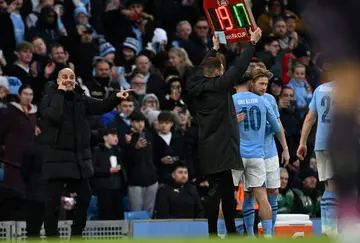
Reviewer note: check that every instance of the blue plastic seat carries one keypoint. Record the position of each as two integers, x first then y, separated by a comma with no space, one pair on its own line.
137,215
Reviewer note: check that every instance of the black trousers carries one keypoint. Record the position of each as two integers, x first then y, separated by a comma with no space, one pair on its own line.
34,217
54,190
221,187
110,204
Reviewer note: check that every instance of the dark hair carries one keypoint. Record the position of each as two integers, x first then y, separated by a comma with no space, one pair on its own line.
201,18
109,130
56,45
211,64
137,116
277,19
24,86
270,39
165,116
178,165
128,99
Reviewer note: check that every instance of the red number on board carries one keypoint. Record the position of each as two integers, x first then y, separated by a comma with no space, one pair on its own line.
224,18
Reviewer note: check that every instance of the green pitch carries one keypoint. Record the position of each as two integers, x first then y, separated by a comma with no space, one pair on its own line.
202,240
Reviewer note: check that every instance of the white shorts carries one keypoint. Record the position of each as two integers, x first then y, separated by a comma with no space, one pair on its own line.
272,172
254,173
324,165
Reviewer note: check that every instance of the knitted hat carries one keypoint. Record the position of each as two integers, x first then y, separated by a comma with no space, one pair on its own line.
153,96
132,43
80,10
105,48
4,82
14,85
160,36
151,116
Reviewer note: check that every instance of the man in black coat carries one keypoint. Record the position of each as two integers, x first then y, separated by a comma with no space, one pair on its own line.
219,141
65,146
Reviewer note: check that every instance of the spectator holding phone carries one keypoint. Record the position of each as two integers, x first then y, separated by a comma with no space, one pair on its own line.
142,176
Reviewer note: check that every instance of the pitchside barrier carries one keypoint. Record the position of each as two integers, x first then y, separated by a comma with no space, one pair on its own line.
16,231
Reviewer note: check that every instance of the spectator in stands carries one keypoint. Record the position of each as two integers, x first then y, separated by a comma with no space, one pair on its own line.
178,199
302,90
154,83
200,41
126,59
7,45
179,58
17,130
31,173
280,31
17,20
307,197
174,97
66,152
168,146
46,26
286,195
109,180
21,68
275,87
276,8
138,83
121,121
101,86
142,175
269,56
152,118
40,55
183,32
151,101
58,57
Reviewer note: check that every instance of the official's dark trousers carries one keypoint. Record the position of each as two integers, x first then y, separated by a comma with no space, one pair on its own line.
34,217
110,204
221,187
54,190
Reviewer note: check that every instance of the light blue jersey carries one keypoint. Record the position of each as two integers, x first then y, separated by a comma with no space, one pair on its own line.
322,103
252,130
270,146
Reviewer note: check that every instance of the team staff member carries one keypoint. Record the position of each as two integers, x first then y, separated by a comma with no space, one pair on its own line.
65,146
219,141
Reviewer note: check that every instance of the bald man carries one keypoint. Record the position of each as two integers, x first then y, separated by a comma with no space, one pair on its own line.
65,146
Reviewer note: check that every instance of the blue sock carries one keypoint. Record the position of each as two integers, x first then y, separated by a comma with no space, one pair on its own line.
221,228
249,215
323,210
274,207
331,211
267,226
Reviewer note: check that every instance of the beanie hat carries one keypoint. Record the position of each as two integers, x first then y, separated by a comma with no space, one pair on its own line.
14,85
160,36
151,116
132,43
105,48
80,10
302,50
153,96
4,82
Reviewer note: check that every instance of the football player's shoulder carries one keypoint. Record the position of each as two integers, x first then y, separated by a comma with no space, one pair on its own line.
270,98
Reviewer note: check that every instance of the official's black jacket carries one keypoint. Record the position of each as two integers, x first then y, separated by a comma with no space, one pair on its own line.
102,176
219,140
178,202
66,132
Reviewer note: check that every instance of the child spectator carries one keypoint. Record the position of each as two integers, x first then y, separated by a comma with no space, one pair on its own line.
302,89
143,181
109,180
168,146
126,59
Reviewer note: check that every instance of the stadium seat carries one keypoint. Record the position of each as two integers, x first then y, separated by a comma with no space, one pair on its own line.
126,204
137,215
1,174
93,211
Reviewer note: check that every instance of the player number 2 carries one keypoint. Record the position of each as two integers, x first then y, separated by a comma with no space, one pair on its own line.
326,102
224,18
252,118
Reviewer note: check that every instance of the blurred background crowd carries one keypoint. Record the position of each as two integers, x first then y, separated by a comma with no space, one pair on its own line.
144,152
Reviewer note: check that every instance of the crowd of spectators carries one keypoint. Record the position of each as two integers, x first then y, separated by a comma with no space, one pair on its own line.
145,149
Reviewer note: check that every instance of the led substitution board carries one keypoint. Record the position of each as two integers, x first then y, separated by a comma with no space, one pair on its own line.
230,19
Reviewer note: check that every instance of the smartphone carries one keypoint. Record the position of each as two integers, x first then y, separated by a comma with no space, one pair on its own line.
292,103
142,135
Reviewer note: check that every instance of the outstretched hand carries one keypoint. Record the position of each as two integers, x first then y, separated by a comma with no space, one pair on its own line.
124,94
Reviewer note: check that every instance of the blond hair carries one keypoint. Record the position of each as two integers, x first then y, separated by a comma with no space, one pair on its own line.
185,60
257,73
